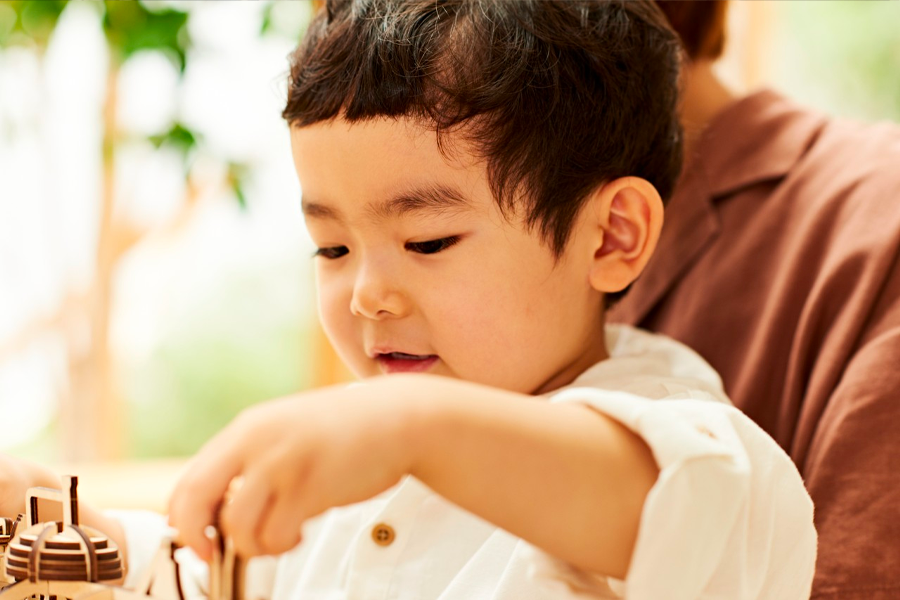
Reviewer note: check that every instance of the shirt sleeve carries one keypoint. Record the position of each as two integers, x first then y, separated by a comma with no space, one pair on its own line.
851,471
144,532
728,516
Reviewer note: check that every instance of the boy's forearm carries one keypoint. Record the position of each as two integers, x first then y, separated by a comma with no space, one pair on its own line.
563,477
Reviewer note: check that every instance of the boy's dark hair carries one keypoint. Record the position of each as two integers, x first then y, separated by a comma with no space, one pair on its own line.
557,96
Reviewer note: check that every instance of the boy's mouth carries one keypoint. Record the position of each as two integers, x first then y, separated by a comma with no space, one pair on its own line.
400,362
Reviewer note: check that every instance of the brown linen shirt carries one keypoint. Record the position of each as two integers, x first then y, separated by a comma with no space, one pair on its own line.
780,263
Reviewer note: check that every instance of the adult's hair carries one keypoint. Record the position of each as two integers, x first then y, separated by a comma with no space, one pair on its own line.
557,96
700,24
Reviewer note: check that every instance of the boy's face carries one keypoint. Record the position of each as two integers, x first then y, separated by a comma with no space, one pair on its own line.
417,270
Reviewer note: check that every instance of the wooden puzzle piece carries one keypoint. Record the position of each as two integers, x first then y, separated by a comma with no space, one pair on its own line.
63,560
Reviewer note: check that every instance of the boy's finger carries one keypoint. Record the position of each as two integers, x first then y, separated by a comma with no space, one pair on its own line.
279,529
197,497
243,515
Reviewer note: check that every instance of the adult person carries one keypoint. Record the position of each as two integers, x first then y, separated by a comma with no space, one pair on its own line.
780,264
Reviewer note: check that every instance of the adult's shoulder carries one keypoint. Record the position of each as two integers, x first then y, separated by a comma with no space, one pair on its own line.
766,136
859,156
778,201
848,179
805,165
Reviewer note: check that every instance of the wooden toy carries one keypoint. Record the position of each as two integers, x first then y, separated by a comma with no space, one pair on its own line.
63,560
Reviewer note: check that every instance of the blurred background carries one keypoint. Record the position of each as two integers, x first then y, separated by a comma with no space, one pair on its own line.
155,274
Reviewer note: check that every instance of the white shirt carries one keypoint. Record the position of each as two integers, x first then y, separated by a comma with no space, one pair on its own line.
727,518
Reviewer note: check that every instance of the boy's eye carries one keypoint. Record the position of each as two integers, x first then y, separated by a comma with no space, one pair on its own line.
432,246
332,253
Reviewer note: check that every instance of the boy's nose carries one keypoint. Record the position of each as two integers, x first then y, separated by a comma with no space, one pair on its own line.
376,297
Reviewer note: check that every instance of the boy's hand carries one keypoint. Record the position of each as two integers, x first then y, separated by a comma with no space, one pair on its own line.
16,477
584,475
294,458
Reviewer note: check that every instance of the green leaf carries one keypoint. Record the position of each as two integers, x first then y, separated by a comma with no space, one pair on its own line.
267,18
239,194
179,138
35,19
130,27
237,176
8,19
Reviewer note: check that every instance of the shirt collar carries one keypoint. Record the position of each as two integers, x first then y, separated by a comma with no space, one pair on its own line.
757,138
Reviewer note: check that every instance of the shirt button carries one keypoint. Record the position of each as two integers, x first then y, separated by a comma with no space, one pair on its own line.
383,534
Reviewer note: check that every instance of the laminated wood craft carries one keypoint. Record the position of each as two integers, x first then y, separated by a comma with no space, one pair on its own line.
64,560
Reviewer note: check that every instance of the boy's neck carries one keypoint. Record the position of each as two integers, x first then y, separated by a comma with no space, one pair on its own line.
594,354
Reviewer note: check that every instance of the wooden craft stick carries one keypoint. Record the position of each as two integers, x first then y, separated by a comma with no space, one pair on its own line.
68,501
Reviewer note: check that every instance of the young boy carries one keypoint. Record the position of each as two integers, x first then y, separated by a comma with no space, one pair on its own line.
481,177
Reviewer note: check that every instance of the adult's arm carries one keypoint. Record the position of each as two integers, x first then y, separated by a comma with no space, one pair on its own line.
852,469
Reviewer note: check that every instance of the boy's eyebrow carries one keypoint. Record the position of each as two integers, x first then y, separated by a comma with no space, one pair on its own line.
430,198
319,211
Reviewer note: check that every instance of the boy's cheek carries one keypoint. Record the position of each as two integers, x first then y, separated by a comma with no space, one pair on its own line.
332,298
337,324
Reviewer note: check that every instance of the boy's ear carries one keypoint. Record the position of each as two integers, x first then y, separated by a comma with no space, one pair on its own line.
629,214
